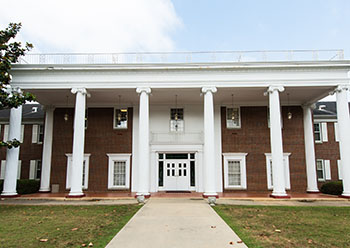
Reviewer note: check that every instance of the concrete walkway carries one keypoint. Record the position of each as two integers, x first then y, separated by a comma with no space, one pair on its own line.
176,223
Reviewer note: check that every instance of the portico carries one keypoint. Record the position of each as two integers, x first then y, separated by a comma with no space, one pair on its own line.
204,95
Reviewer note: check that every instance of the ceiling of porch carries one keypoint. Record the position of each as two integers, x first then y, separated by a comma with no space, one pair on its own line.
242,96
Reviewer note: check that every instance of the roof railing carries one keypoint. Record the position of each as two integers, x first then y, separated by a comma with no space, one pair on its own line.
183,57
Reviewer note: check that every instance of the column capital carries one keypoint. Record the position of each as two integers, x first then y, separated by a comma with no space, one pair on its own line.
147,90
212,89
312,106
80,90
342,87
273,88
49,107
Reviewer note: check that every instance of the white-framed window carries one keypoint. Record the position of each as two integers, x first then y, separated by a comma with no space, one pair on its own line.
336,132
268,117
38,133
118,171
323,170
340,172
233,117
35,169
85,172
320,132
120,120
3,169
235,175
269,170
6,133
177,123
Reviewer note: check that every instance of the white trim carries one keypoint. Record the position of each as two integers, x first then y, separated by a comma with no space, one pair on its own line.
241,157
286,170
327,169
19,169
6,132
340,172
324,130
2,169
35,133
22,134
69,169
32,167
122,157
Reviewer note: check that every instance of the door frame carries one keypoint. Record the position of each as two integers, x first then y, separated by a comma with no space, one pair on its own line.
197,149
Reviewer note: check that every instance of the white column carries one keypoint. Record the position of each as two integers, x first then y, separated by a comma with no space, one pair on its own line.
12,155
279,187
310,150
344,135
47,150
143,158
78,143
209,141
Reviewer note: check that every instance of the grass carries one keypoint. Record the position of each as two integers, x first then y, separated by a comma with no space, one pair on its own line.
62,226
272,226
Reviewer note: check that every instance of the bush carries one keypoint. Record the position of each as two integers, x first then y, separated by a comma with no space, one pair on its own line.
25,186
332,188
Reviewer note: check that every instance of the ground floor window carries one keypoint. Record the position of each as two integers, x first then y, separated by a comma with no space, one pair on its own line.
118,171
269,170
323,169
85,172
235,170
35,169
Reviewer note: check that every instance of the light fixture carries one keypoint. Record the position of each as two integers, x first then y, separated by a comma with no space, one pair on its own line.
119,116
176,114
289,115
66,114
232,113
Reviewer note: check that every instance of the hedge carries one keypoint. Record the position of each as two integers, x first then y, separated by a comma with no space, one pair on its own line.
25,186
332,188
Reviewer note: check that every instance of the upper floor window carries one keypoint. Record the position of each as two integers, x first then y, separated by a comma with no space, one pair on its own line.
233,118
317,132
121,118
177,120
320,132
37,133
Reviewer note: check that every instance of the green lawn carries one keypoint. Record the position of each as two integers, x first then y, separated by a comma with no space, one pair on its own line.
270,226
62,226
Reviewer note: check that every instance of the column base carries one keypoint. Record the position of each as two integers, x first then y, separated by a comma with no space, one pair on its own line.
280,196
9,195
146,195
76,196
206,195
44,190
345,196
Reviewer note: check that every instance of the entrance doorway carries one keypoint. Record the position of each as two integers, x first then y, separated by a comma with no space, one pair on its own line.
176,171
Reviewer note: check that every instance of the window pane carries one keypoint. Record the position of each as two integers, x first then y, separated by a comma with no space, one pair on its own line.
176,156
41,133
119,173
38,169
192,156
161,174
192,174
121,118
234,173
160,155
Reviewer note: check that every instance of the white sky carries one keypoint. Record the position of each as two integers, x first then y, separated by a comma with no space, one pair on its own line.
93,26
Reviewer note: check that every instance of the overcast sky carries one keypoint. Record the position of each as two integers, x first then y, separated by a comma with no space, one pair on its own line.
179,25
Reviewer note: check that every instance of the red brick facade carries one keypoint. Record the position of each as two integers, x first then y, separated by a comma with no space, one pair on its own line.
100,139
28,151
254,138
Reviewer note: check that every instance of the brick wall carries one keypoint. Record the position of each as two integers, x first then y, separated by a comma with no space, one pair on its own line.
100,139
329,151
28,151
254,138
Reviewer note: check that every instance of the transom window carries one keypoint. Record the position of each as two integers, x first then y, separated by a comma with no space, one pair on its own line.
235,170
121,118
233,118
118,171
177,120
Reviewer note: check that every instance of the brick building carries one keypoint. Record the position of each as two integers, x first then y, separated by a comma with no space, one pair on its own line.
205,127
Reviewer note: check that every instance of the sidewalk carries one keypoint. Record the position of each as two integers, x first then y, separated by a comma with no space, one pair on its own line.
176,223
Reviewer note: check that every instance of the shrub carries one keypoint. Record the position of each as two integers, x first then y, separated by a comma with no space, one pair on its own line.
25,186
332,188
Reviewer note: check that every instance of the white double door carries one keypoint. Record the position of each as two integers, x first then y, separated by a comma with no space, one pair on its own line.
177,175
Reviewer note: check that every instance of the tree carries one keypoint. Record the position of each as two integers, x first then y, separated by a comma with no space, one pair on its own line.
10,52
